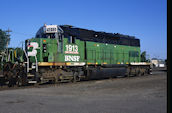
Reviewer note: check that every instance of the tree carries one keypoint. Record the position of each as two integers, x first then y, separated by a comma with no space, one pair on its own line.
4,39
143,56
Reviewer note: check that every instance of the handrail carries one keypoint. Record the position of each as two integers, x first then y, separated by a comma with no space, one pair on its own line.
27,60
36,63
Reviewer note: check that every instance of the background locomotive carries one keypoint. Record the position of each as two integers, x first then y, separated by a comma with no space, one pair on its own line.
66,53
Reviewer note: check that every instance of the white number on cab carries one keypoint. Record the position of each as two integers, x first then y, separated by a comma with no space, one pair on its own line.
71,49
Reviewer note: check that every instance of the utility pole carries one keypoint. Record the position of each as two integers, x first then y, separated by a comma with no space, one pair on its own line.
8,38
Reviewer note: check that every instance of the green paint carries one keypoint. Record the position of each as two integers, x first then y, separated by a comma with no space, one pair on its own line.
96,52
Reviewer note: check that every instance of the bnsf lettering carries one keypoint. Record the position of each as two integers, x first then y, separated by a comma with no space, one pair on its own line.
72,58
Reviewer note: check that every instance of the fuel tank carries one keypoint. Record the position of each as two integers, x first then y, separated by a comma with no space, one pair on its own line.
107,71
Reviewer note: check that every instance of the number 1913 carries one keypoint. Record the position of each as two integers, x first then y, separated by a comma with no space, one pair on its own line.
71,49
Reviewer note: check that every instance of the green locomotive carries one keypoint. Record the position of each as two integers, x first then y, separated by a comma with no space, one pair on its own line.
67,53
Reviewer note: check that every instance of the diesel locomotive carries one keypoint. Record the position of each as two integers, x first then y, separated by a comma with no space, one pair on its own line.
66,53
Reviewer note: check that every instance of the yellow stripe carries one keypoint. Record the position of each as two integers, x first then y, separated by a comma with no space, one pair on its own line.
50,64
90,63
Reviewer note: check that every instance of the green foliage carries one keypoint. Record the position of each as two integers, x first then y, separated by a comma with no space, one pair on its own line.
143,56
19,52
3,40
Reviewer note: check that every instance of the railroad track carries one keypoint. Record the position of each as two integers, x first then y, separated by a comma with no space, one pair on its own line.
5,87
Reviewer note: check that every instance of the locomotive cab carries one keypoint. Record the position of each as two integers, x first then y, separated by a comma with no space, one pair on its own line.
51,32
41,49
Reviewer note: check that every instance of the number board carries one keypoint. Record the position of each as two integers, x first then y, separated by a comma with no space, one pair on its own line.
50,29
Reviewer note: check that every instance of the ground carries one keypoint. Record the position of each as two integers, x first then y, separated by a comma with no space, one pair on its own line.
145,94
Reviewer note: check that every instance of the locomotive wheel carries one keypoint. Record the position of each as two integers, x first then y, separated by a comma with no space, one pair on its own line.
56,80
76,77
139,73
143,72
21,81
